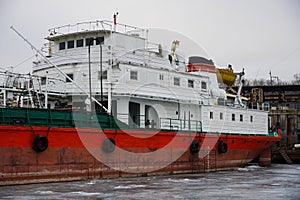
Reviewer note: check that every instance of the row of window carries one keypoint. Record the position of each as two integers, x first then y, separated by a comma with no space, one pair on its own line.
134,76
104,76
80,43
233,117
190,83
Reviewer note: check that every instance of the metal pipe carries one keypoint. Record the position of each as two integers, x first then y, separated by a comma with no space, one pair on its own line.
101,84
90,74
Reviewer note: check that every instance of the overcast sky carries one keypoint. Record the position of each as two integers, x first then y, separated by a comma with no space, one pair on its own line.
258,35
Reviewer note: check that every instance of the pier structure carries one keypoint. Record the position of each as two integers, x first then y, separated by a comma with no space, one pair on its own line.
284,106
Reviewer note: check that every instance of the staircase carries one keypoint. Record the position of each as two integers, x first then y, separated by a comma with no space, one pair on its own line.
285,156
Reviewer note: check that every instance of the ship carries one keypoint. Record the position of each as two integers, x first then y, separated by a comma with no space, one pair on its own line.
104,102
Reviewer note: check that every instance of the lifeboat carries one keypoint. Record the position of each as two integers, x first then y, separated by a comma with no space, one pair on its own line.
226,76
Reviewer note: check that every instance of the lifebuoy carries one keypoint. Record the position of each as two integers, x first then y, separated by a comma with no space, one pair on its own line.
195,146
223,147
40,143
109,145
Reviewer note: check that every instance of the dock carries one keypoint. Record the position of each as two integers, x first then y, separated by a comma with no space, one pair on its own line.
284,107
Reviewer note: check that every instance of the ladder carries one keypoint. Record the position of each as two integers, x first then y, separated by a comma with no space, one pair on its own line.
33,94
210,161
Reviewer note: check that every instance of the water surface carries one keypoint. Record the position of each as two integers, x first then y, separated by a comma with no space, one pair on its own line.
252,182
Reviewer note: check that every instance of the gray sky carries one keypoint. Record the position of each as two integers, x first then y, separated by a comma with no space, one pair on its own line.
258,35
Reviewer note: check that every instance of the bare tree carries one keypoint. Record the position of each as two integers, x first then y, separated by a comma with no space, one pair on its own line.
297,79
267,82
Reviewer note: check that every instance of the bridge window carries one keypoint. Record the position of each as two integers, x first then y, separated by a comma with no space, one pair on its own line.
62,45
70,44
89,41
241,118
233,117
79,43
99,40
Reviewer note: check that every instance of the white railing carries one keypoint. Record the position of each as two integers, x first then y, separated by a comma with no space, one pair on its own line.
139,121
257,106
180,124
10,80
103,25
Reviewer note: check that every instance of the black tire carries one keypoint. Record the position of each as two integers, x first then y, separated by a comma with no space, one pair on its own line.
195,146
40,143
223,147
109,145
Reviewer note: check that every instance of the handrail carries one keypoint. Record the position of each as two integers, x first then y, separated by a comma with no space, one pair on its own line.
93,26
26,81
164,123
180,124
257,106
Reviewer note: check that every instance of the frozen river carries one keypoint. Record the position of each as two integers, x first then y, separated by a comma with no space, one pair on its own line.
252,182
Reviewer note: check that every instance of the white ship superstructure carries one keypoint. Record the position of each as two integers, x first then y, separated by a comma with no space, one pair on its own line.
140,83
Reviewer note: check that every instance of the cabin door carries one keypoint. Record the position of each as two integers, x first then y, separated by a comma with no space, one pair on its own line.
134,114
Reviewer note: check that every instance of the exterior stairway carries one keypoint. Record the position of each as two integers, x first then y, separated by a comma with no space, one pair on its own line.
285,156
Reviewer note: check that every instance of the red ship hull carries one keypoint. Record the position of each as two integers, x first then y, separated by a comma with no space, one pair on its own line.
68,158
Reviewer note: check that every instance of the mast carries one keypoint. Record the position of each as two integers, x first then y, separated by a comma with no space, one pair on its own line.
109,72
